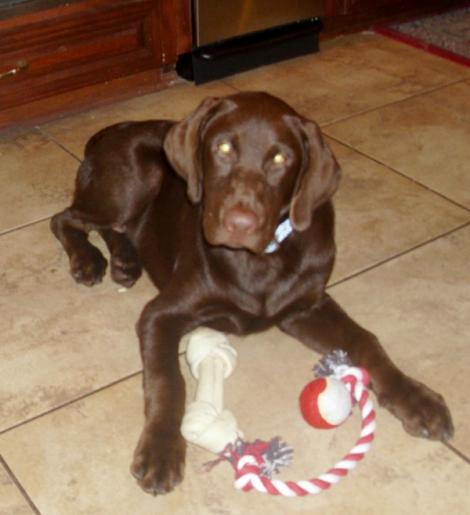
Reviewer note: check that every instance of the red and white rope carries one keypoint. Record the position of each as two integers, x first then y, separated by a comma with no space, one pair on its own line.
248,466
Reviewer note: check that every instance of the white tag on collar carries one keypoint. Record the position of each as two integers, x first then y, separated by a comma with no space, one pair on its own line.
284,229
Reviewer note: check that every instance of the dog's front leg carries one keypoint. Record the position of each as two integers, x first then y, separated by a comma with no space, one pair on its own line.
159,457
326,327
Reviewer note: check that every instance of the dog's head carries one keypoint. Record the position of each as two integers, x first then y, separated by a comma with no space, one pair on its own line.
251,159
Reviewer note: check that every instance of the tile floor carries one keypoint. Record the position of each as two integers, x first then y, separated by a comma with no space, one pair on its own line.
70,385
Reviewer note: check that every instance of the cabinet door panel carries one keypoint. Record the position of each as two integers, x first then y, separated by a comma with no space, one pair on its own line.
69,50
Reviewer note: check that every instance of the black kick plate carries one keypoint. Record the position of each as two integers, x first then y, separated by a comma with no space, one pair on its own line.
243,53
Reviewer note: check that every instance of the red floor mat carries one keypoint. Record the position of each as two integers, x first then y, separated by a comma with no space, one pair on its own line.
446,34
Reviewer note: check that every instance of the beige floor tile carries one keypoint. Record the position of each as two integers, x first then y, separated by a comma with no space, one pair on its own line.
75,460
172,103
425,137
59,340
37,177
351,75
12,501
380,213
419,306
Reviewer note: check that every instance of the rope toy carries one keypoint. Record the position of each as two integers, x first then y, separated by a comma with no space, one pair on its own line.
207,424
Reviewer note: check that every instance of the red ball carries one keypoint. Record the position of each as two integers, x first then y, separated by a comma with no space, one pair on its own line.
325,403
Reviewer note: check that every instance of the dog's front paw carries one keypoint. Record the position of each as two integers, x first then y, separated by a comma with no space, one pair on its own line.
125,267
88,267
158,462
422,412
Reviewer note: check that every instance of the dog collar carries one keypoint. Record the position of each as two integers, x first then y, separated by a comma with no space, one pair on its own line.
284,229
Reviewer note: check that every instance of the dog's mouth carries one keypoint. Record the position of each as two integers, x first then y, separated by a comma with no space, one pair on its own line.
236,242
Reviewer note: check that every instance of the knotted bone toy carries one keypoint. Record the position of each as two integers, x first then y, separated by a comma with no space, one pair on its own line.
211,359
206,423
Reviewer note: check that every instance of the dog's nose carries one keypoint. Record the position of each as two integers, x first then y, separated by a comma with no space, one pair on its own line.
241,220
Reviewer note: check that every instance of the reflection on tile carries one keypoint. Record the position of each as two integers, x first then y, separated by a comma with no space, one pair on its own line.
37,177
379,213
349,77
419,306
425,138
76,459
11,500
173,103
59,340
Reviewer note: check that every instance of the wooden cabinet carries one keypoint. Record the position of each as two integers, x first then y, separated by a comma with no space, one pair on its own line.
353,15
58,56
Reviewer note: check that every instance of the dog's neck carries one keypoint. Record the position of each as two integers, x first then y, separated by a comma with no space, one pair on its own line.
284,229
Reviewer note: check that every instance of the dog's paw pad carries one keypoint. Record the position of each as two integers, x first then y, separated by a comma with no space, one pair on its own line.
158,463
88,268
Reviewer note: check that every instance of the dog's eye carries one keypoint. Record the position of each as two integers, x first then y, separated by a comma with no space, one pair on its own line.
225,148
279,159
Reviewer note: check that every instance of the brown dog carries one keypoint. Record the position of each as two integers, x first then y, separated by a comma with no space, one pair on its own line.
197,204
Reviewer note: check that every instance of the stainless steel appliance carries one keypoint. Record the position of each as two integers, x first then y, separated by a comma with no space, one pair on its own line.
235,35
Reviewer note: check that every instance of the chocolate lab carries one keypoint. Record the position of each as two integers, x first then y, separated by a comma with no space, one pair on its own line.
229,212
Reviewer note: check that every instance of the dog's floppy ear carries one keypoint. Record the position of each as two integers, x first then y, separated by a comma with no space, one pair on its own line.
319,177
182,147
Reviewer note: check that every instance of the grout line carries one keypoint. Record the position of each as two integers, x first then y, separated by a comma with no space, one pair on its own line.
394,102
57,142
399,255
70,402
76,399
25,225
458,453
225,81
371,109
19,485
398,172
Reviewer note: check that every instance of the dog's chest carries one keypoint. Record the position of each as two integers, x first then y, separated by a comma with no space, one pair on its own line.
261,286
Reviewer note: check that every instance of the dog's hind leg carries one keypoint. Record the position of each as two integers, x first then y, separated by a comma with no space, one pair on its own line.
122,172
125,263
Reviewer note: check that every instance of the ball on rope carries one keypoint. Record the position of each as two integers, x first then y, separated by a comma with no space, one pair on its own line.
325,403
